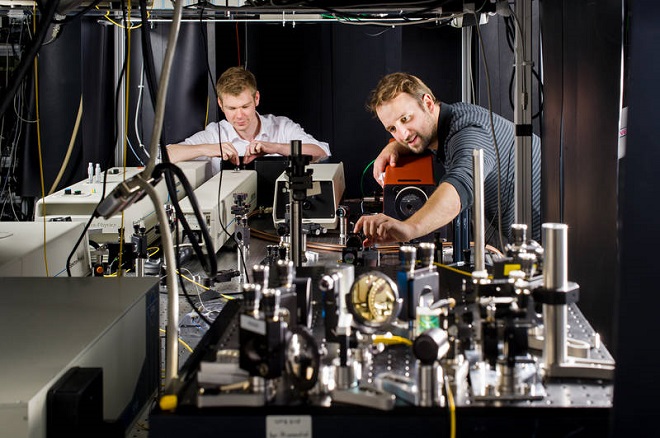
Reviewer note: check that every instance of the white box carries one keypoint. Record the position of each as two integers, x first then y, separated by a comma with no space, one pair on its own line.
323,198
197,172
22,249
217,208
49,325
80,200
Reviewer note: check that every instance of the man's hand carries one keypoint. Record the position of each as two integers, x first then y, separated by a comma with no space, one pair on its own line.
387,157
257,149
380,228
229,153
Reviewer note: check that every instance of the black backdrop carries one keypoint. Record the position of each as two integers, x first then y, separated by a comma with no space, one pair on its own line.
319,75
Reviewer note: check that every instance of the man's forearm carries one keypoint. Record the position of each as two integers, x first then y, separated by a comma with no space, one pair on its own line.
307,149
440,209
185,152
315,151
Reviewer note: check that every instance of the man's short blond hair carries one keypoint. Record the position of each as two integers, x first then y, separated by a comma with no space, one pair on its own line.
394,84
234,81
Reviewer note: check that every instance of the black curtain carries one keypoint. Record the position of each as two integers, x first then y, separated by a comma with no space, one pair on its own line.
582,43
636,384
79,62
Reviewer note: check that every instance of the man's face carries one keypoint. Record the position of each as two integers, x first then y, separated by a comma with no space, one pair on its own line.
411,124
241,110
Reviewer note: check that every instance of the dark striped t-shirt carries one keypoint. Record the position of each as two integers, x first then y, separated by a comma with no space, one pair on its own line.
463,127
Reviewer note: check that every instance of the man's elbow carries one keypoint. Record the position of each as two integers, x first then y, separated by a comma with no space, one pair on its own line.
317,153
172,153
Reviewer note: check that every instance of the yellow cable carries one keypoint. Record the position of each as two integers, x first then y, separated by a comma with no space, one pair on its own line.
449,268
206,116
153,253
115,274
181,341
41,161
452,409
107,17
126,111
391,340
193,281
227,297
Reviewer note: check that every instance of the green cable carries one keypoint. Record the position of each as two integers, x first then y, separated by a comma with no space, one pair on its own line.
362,178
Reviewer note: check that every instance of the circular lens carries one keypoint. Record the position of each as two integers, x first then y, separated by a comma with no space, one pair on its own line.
374,300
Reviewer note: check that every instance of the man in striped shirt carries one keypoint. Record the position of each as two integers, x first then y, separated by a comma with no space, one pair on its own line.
418,123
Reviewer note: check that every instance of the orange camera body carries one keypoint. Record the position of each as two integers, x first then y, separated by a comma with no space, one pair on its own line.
408,185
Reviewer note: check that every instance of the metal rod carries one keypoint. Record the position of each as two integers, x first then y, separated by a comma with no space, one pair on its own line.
120,54
523,113
466,64
139,267
479,233
555,347
555,244
296,214
555,277
296,233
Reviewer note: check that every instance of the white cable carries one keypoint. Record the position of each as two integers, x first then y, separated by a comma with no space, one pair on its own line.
197,289
130,145
72,142
137,112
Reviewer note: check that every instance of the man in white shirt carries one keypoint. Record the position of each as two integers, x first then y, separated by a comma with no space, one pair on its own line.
244,132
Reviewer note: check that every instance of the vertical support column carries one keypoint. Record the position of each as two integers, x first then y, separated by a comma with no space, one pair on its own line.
120,54
296,213
466,64
478,205
523,113
555,278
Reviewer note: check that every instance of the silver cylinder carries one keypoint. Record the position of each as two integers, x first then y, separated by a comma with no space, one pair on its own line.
342,214
478,207
429,383
346,376
242,255
426,252
555,243
296,232
407,258
555,349
139,267
507,379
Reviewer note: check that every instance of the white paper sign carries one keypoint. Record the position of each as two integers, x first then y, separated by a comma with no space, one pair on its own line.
288,426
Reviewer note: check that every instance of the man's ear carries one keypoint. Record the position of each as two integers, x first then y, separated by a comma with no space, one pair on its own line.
220,104
428,101
256,98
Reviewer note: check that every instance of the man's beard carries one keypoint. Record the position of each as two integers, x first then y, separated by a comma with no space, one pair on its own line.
421,144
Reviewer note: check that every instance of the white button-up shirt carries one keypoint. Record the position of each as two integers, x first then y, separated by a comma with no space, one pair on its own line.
274,129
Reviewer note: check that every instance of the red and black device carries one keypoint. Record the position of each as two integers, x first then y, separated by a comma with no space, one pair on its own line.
408,185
